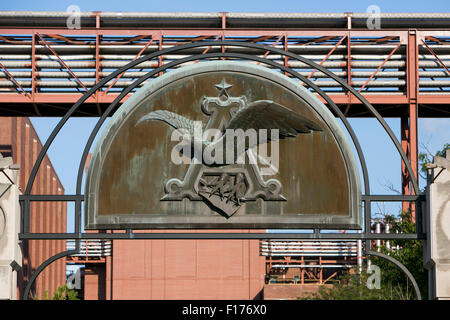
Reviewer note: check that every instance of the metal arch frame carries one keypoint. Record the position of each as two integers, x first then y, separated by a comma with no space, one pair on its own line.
45,264
400,266
217,55
78,197
212,44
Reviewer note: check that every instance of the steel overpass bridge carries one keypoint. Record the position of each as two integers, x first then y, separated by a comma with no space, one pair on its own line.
402,69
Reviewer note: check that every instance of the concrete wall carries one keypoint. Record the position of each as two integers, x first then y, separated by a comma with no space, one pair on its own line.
10,252
437,253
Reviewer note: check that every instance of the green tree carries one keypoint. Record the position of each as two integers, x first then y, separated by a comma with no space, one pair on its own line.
352,285
409,253
61,293
394,285
427,157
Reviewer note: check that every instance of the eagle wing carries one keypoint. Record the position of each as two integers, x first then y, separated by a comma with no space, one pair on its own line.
266,114
172,119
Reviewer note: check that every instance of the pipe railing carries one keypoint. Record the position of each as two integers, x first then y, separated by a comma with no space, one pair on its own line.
48,73
90,248
309,248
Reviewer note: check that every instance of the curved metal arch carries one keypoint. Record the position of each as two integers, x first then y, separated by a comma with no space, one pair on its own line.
44,265
219,43
401,266
217,55
126,90
360,97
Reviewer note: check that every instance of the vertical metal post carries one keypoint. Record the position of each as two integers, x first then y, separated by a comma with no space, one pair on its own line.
302,271
286,49
367,221
349,58
320,270
97,69
224,26
33,66
404,128
97,60
412,63
224,20
77,226
160,61
26,217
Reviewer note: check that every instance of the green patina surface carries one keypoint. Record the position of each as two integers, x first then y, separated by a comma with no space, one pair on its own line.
137,162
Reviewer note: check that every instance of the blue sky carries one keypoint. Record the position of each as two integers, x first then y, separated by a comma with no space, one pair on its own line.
382,159
232,5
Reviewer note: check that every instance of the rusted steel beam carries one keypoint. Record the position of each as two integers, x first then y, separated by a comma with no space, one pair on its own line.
273,45
262,38
412,94
200,38
404,135
387,99
413,82
434,39
136,38
97,18
329,54
436,56
160,44
383,39
224,25
320,39
17,84
97,70
66,39
349,66
61,61
33,73
120,75
402,34
33,65
286,59
5,39
349,19
338,98
378,69
208,48
224,19
330,277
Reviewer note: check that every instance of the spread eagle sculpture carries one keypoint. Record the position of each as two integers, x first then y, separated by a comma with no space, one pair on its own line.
262,114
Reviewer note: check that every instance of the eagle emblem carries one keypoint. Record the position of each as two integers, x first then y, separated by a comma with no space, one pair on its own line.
223,172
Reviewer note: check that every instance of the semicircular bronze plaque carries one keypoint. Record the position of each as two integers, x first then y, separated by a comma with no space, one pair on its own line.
154,166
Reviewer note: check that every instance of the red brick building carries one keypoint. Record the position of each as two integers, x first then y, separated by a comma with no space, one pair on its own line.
19,140
176,269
